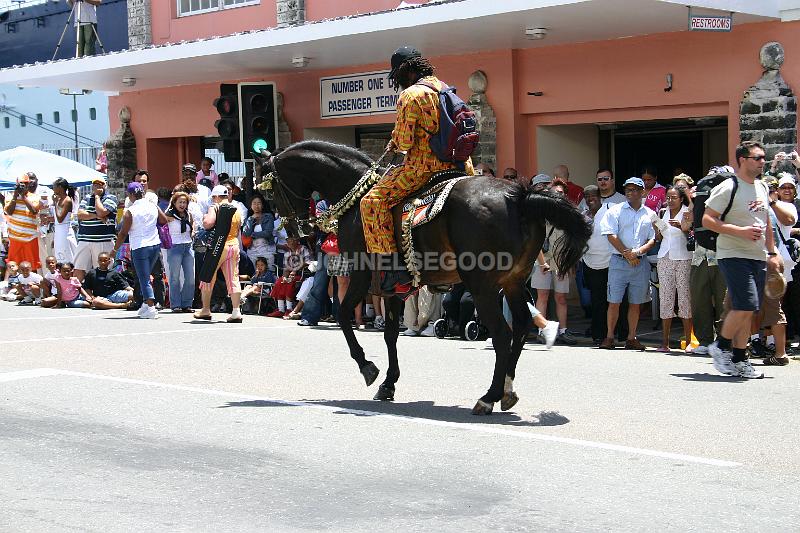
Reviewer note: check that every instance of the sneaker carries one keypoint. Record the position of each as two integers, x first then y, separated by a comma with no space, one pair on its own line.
37,301
304,322
777,360
379,323
427,332
746,370
142,310
722,360
549,333
410,332
26,301
759,349
149,312
701,350
566,338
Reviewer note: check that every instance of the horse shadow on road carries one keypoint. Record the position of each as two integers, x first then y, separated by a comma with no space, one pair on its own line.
419,410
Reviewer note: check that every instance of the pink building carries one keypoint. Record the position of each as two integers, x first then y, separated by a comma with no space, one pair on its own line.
615,83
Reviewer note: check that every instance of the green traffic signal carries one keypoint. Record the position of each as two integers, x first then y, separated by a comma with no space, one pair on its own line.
260,144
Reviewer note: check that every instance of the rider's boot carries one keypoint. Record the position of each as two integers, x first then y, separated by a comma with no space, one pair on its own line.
396,278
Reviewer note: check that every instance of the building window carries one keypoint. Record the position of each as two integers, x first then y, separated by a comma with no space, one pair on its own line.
196,7
39,120
7,122
92,113
56,117
22,121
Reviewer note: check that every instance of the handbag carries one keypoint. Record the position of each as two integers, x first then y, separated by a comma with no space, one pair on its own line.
792,246
331,244
164,236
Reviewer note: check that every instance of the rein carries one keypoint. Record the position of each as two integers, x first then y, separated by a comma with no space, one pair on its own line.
329,220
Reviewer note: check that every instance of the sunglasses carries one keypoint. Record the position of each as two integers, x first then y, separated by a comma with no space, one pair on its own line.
603,178
756,157
509,177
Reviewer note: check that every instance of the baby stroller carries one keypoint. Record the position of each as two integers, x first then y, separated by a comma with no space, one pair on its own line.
450,326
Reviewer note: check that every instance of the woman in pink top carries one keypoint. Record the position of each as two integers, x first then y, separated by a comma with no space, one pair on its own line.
205,171
69,288
655,194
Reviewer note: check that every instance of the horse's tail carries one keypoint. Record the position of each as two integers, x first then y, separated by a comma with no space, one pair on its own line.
560,213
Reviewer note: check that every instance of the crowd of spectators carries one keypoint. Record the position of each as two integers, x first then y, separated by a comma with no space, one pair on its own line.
641,255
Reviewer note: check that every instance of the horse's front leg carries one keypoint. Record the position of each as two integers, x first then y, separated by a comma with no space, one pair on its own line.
490,313
359,284
390,334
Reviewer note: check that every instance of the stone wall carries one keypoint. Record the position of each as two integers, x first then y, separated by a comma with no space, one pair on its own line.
139,24
768,111
290,12
487,121
121,153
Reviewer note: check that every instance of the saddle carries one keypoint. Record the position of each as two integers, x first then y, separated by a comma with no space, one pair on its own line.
422,205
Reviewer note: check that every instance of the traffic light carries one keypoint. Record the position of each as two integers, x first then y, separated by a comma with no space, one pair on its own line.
258,118
228,122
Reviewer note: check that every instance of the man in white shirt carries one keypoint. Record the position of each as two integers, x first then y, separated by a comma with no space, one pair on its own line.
595,268
143,177
85,25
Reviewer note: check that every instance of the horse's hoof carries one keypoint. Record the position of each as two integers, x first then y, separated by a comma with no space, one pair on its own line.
482,408
385,393
508,401
370,373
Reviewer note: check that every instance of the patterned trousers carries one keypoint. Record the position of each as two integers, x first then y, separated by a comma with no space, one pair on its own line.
673,277
376,207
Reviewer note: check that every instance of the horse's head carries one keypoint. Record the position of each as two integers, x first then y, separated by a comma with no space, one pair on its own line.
288,190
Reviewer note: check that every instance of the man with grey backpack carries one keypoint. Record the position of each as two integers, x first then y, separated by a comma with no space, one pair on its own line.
746,248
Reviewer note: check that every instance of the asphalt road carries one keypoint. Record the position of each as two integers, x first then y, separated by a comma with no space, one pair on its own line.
111,423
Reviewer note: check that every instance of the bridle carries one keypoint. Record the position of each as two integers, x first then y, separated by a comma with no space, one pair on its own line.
272,184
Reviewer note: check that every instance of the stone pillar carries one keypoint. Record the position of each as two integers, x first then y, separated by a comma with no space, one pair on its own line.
486,152
290,12
768,112
140,31
121,153
284,133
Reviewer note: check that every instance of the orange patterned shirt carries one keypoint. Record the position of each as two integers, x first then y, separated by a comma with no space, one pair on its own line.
417,119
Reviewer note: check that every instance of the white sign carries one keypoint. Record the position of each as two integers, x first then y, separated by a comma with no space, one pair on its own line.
366,93
701,23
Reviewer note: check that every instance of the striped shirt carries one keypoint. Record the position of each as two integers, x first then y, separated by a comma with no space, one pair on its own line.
98,230
22,224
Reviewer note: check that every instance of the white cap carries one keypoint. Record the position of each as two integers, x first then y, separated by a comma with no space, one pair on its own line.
219,190
786,180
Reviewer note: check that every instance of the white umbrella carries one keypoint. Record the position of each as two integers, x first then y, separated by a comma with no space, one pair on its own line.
47,167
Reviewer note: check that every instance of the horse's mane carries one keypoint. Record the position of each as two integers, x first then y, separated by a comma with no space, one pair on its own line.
326,147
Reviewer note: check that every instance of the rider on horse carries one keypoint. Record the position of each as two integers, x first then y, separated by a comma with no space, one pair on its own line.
417,120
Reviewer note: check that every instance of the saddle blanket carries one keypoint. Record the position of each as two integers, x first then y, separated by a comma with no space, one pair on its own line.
424,208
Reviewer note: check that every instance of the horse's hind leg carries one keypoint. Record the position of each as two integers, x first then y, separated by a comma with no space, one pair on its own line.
490,313
359,284
386,390
521,323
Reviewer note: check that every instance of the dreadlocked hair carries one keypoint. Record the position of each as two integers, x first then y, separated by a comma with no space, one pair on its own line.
420,65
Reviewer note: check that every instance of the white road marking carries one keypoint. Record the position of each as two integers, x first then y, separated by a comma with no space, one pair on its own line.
478,428
28,374
38,318
199,329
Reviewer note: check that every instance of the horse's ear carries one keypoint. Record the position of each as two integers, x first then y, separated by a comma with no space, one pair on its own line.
259,159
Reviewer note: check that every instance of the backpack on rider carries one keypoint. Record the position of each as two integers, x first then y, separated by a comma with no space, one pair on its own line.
704,236
458,133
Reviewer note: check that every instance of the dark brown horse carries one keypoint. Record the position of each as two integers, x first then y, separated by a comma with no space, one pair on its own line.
483,215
